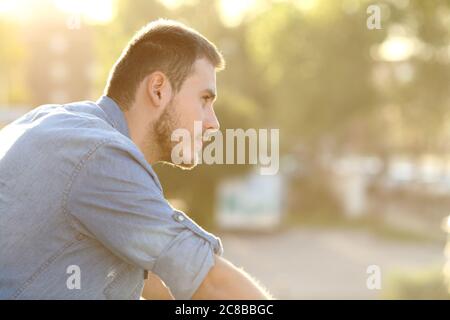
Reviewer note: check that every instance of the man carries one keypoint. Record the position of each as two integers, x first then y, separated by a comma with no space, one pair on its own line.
82,213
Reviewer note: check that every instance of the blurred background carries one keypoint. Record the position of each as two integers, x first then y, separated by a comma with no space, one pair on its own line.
364,120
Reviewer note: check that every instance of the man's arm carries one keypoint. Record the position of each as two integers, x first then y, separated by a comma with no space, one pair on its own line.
224,282
156,289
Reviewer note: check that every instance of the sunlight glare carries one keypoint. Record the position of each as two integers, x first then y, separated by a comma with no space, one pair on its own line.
233,11
397,48
95,11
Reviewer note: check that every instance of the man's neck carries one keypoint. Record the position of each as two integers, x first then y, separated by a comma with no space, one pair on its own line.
142,136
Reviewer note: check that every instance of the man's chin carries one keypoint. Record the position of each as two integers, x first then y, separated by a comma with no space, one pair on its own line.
186,166
182,165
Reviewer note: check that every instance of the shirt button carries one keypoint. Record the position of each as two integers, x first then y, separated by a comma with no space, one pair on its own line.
179,217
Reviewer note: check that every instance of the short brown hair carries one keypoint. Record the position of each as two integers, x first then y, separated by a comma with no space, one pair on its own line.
162,45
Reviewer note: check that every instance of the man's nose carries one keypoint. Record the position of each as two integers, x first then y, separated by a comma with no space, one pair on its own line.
211,122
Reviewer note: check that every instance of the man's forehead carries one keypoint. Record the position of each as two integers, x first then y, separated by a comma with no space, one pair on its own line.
204,72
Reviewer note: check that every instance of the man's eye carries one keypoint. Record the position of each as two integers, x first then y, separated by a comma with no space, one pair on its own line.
205,98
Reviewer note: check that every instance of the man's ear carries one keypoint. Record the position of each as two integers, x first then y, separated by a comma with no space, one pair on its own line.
159,89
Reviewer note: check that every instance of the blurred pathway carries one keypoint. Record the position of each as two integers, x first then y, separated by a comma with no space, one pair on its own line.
310,263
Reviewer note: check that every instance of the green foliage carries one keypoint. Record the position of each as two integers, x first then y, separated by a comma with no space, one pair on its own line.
416,285
11,64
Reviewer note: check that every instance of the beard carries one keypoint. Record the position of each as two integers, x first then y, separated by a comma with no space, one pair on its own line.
161,131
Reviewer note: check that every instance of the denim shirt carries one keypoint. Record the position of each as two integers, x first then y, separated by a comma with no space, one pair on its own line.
78,199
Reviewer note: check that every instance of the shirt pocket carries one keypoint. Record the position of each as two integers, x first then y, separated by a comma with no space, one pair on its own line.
127,283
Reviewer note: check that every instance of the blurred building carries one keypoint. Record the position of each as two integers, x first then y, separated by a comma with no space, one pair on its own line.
253,202
60,59
406,192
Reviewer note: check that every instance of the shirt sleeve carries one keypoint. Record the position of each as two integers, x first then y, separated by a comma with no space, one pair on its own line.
115,198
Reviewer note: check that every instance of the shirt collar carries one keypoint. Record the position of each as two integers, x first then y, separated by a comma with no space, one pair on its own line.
114,114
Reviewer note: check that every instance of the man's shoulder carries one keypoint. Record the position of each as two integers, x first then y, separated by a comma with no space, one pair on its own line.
78,124
64,133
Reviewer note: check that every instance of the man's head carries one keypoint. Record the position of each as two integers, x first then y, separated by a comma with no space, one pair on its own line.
165,80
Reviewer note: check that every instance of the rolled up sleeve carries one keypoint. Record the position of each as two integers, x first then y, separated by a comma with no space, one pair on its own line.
193,248
115,197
